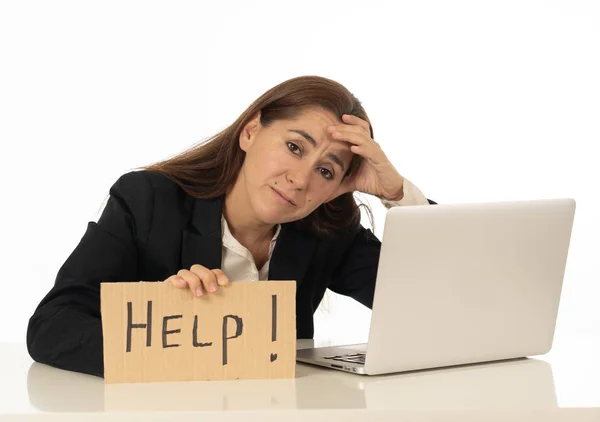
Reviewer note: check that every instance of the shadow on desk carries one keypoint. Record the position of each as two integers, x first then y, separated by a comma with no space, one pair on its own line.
518,384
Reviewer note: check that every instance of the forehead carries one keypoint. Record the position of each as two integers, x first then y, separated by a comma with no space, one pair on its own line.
314,122
312,125
316,116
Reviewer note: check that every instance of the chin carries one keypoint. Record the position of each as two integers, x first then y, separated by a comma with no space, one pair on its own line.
268,213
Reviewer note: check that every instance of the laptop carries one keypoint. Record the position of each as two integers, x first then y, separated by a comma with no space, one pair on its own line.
460,284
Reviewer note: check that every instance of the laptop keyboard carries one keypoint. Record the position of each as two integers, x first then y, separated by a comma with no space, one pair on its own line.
351,358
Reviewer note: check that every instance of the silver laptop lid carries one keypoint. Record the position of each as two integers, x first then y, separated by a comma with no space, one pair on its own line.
464,283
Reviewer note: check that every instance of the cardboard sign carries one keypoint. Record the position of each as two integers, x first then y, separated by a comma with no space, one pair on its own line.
154,331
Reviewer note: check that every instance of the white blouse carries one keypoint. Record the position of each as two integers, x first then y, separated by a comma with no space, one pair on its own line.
238,263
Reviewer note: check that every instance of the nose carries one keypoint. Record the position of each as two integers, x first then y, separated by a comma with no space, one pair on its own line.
299,176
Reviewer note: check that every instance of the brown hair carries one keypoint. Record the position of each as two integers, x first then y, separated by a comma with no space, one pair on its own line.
208,169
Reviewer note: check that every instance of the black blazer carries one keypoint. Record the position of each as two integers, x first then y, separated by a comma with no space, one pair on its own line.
149,230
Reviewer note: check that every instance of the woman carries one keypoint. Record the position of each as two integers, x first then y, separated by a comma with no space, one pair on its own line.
268,198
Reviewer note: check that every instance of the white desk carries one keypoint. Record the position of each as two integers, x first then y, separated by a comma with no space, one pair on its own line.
562,385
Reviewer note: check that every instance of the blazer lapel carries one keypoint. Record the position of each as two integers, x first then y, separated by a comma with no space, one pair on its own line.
202,239
292,254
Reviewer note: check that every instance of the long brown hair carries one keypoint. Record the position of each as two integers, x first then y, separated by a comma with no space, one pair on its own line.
209,168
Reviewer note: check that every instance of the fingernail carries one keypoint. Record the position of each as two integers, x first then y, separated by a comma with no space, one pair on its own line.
212,288
198,292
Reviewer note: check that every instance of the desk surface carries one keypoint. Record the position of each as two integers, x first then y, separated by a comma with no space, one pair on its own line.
562,385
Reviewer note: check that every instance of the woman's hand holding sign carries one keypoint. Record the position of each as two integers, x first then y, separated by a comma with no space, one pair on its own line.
199,279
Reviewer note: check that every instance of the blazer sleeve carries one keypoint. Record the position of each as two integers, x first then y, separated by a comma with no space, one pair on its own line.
356,274
65,330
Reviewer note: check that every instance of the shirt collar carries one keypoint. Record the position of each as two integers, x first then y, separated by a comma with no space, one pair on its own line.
226,233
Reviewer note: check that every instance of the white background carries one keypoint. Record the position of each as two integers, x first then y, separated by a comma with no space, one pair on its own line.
472,101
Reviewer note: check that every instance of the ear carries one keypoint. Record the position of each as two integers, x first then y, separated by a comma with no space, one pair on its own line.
248,132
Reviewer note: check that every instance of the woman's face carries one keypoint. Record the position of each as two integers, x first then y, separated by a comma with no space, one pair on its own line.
298,158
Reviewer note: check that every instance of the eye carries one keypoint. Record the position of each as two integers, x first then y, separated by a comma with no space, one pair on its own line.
294,146
328,175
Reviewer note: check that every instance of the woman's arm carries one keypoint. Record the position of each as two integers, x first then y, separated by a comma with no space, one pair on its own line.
355,276
65,330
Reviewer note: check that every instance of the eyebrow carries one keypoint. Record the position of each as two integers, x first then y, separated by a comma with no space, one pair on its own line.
310,139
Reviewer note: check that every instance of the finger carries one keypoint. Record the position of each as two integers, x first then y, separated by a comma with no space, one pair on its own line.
345,129
364,151
193,282
222,279
352,119
208,278
177,281
364,146
349,134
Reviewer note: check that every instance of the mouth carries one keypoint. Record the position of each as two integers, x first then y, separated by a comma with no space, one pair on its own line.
281,195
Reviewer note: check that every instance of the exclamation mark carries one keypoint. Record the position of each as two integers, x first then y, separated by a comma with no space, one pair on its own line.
273,323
